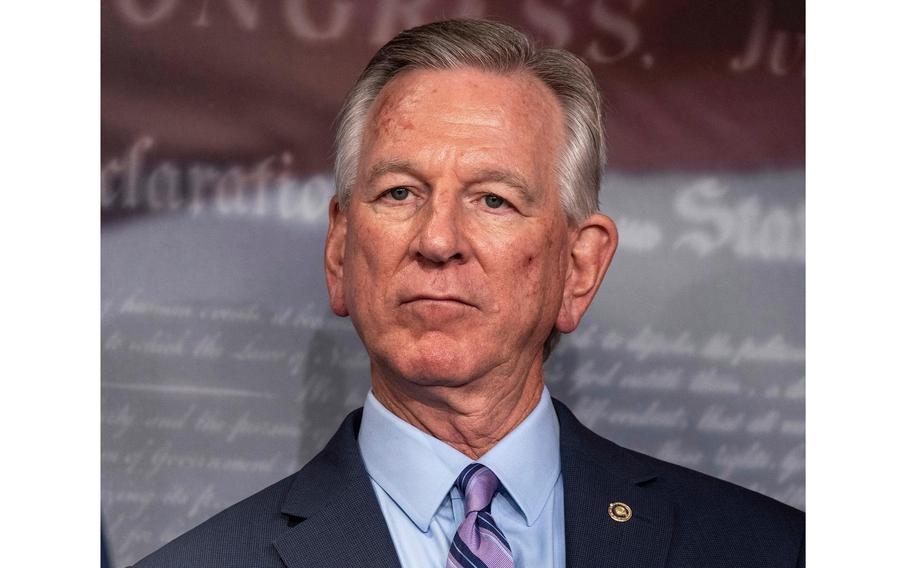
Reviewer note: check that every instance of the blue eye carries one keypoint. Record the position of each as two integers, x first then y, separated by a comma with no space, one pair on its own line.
493,201
399,193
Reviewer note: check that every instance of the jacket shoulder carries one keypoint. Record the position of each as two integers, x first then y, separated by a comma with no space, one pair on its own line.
723,524
239,536
715,522
716,501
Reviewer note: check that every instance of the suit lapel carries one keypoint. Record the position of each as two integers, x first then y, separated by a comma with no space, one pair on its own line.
340,522
596,474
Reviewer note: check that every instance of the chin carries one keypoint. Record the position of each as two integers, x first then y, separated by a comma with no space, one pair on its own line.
438,365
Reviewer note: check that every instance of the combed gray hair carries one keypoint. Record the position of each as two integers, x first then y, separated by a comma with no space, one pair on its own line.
498,48
495,47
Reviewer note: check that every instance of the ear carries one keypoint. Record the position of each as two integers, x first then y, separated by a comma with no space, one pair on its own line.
592,250
334,257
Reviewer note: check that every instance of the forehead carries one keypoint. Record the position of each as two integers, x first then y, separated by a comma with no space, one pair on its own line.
468,114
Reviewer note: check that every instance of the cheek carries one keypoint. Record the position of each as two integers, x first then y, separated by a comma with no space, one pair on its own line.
374,252
363,260
528,266
370,243
540,253
540,265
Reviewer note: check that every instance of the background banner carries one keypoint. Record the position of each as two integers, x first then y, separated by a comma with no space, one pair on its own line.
223,368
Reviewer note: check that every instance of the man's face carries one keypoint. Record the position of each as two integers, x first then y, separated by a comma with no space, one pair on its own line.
451,257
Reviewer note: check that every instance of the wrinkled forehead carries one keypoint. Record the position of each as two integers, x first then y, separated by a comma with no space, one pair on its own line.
469,104
465,86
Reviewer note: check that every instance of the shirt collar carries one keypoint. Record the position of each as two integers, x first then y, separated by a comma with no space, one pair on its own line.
526,461
420,470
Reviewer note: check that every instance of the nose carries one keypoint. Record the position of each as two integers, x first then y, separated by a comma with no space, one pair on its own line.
440,238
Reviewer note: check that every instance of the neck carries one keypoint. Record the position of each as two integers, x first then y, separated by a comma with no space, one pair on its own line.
472,418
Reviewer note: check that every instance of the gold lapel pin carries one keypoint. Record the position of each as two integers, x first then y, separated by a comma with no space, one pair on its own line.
620,512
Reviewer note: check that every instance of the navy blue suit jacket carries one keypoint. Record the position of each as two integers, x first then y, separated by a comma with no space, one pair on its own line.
327,515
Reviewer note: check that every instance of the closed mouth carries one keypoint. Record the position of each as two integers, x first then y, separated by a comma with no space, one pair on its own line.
433,298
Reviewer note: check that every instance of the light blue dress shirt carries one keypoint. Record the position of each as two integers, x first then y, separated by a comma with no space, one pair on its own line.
413,475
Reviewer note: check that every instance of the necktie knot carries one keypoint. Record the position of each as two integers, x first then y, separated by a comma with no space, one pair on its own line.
478,485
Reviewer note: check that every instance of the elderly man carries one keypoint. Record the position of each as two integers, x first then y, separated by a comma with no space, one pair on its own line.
463,240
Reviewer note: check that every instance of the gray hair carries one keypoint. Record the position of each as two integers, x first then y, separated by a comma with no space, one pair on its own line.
495,47
498,48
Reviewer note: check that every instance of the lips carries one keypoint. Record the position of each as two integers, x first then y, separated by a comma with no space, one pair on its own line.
429,312
411,298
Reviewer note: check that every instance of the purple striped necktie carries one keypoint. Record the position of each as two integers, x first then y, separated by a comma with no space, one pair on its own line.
478,543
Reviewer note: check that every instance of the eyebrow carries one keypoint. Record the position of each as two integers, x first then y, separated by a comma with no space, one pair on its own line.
512,179
391,166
